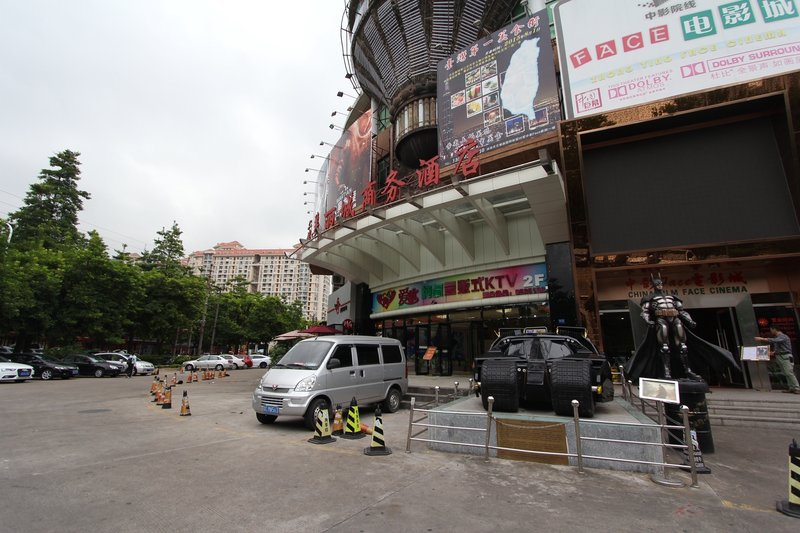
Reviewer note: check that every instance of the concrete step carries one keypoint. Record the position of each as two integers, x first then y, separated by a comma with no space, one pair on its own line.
773,413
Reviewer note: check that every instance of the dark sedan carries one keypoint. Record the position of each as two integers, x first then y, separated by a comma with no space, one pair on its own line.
46,367
89,365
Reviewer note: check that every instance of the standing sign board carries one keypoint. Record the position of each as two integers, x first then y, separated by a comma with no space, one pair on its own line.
621,53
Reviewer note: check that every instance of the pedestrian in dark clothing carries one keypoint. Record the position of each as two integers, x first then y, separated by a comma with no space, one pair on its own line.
131,363
782,346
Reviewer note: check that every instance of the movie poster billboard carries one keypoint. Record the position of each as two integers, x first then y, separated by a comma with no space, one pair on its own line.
622,53
499,91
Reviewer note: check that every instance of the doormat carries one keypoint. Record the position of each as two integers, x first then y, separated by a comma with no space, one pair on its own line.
532,435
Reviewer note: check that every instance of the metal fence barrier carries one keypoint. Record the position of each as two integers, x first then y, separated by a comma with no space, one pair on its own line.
664,465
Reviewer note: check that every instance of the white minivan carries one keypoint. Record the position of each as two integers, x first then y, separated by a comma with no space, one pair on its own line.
323,372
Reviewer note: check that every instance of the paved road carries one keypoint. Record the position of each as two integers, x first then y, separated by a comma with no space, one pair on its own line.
96,455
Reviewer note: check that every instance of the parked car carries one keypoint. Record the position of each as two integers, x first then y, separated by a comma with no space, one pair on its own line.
237,362
89,365
318,373
6,350
261,361
217,362
140,367
46,367
11,371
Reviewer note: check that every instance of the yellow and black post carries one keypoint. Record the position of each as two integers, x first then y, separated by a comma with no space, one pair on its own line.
792,506
352,427
378,445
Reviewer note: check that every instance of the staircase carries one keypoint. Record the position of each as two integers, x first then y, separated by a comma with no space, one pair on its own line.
772,413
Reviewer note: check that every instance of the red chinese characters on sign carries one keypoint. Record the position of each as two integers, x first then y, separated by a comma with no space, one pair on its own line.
393,185
408,296
330,218
370,194
468,163
348,207
428,173
698,279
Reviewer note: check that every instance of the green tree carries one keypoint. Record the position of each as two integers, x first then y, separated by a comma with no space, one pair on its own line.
167,252
97,297
49,216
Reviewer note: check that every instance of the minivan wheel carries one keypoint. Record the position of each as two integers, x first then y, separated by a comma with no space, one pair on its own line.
313,410
47,374
266,419
98,373
392,402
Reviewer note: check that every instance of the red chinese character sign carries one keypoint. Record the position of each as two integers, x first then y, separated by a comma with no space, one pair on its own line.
499,91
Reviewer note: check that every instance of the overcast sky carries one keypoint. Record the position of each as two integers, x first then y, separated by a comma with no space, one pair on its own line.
204,112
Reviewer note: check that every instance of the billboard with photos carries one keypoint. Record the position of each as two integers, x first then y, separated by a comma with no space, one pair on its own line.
499,91
621,53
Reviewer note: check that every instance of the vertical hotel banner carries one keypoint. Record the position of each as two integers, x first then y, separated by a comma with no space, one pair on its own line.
512,281
499,91
621,53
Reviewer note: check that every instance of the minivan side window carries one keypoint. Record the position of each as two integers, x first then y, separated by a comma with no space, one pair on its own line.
344,355
367,355
391,354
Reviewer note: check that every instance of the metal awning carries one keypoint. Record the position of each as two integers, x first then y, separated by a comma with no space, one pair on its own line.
371,248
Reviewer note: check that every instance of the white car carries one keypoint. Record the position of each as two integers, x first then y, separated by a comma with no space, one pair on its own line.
217,362
11,371
144,368
261,361
237,361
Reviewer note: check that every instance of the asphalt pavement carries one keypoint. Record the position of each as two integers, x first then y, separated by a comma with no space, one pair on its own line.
91,454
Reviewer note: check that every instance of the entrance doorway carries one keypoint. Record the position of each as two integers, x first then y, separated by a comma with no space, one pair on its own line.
718,325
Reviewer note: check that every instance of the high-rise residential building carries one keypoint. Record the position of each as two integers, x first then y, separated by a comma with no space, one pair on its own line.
265,271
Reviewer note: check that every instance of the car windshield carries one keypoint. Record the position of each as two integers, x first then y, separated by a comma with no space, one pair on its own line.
307,354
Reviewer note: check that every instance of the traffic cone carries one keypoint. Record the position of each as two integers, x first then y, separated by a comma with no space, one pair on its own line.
154,386
157,370
167,402
160,394
791,507
377,446
366,429
352,428
185,404
219,375
322,429
174,379
338,425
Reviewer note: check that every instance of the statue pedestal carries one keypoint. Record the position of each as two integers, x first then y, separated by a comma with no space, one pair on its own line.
693,396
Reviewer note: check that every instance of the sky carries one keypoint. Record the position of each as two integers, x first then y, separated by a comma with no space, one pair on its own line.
201,112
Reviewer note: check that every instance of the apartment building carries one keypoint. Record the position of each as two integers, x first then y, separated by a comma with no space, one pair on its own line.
265,271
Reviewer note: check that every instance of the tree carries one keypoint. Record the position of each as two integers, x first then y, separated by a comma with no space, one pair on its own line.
167,251
49,216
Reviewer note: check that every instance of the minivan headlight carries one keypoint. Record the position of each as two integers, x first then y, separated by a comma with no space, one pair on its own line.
306,384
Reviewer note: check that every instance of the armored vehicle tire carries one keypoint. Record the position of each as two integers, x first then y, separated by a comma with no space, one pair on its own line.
608,390
572,380
499,379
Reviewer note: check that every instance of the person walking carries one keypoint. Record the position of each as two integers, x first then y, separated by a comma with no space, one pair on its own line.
131,364
782,346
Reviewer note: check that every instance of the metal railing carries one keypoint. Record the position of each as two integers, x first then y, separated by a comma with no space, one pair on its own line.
579,456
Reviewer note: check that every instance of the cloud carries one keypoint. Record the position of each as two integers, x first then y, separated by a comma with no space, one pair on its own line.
201,112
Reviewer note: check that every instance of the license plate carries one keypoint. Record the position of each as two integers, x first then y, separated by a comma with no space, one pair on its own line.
271,410
75,372
24,373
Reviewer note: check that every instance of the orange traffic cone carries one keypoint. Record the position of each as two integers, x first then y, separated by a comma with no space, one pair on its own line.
160,395
185,405
167,401
219,374
338,425
366,429
174,379
157,369
377,446
154,386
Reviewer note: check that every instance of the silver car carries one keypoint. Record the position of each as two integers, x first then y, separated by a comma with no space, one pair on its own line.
144,368
216,362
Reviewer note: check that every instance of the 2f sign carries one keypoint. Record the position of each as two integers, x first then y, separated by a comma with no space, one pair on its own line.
533,281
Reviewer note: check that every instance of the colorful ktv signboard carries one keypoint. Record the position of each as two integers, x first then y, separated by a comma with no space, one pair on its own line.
512,281
499,91
621,53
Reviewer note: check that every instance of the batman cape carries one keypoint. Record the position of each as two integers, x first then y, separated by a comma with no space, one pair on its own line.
646,362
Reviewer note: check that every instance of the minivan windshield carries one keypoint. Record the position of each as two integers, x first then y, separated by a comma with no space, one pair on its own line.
306,354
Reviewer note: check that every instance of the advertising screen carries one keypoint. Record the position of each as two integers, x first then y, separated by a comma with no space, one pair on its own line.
621,53
499,91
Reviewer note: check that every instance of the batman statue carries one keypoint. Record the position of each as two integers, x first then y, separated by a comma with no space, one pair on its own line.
668,340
